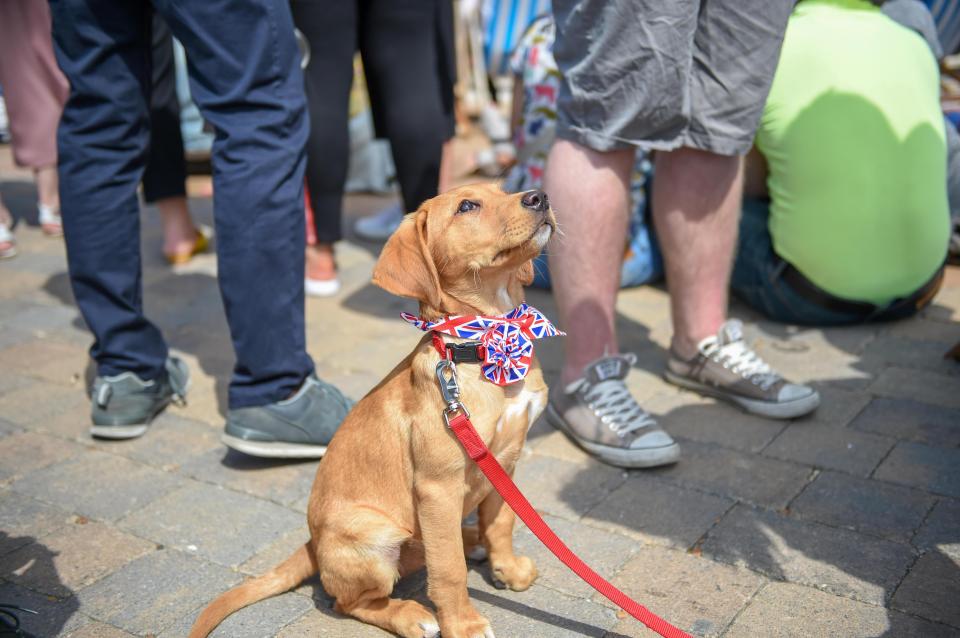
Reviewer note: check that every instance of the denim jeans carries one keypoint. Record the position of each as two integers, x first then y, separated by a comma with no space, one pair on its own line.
246,79
757,279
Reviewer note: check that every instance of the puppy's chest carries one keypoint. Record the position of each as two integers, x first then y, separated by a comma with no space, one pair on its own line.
522,409
509,412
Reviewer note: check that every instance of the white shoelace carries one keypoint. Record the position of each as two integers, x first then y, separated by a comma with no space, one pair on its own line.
740,359
616,407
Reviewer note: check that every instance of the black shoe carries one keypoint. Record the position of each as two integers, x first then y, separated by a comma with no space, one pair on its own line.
299,427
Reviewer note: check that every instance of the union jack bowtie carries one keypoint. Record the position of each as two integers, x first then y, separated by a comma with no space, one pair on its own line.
507,340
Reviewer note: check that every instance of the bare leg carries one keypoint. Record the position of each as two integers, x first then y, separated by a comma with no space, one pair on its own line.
48,200
696,204
179,231
320,262
48,190
590,195
7,244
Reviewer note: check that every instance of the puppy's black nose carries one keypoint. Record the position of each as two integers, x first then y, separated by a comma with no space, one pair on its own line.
535,200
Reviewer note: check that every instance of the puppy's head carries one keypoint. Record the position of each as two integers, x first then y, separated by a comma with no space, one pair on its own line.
466,251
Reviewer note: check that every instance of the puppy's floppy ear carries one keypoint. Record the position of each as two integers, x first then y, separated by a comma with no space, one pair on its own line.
406,267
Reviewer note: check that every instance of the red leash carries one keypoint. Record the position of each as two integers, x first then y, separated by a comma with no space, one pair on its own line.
458,419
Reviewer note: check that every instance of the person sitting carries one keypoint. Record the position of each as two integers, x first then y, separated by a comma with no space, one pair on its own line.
849,220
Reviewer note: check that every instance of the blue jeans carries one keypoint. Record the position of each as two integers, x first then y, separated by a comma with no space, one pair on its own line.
246,79
756,279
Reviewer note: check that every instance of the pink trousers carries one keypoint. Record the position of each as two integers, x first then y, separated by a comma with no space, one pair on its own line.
34,89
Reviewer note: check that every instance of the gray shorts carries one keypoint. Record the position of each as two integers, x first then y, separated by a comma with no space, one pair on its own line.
660,74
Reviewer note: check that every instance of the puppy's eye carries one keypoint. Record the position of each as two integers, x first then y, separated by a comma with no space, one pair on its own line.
466,206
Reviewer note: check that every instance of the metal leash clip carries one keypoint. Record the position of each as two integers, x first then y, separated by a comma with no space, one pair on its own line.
450,389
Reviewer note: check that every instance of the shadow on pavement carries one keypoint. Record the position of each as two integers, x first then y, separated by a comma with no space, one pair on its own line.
28,568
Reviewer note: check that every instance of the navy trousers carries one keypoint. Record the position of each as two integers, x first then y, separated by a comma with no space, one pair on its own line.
245,77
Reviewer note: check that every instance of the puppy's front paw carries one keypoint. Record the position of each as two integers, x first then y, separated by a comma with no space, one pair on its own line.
474,626
516,572
430,629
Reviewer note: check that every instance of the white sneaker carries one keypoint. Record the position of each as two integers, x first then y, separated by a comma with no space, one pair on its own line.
321,287
8,245
379,227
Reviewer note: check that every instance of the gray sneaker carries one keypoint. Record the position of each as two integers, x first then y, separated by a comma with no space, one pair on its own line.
297,428
600,415
726,368
124,404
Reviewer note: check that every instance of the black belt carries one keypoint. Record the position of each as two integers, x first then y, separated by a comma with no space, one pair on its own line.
816,295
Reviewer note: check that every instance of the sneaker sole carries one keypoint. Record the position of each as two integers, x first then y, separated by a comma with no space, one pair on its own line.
274,449
769,409
631,459
119,432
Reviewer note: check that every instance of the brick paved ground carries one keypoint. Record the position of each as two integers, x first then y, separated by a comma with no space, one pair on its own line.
843,524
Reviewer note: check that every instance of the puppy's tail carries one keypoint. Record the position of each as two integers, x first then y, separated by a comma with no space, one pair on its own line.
284,577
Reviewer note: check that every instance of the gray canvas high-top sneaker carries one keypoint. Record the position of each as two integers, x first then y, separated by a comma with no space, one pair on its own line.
725,367
600,415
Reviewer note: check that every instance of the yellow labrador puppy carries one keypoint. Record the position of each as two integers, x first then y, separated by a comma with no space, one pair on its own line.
395,483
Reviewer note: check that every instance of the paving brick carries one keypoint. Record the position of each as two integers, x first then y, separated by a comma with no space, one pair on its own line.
98,630
97,485
889,350
693,593
782,610
6,428
929,468
276,552
278,480
566,489
264,618
156,591
53,618
49,360
171,442
555,444
10,381
72,424
911,420
735,475
16,287
651,511
214,523
329,624
920,385
539,611
27,451
923,329
830,446
37,402
835,560
941,530
863,505
72,557
809,355
706,421
24,520
837,406
931,590
603,551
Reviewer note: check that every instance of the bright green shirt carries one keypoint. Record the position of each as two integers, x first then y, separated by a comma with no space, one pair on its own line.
855,146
